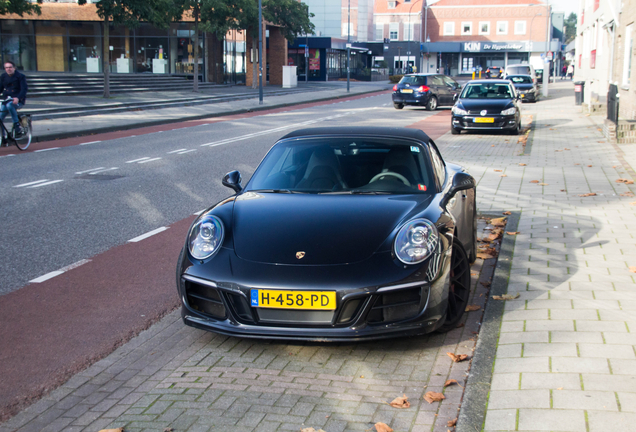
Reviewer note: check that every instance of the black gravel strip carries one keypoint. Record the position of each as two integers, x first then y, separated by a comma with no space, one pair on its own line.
473,408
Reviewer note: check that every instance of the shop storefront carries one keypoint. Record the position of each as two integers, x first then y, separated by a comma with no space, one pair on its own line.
73,46
461,58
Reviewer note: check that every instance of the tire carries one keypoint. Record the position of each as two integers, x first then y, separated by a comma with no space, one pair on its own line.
398,105
515,131
455,131
458,288
431,105
24,141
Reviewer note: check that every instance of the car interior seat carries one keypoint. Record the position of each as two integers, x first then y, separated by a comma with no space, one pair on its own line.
400,160
323,172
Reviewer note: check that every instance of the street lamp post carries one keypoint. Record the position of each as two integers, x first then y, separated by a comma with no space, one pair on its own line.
410,35
348,43
260,52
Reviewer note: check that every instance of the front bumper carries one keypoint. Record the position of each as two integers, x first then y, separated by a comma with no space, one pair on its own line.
375,299
415,98
528,96
500,122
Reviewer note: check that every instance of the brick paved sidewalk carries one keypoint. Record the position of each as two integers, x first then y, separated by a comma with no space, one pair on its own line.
565,357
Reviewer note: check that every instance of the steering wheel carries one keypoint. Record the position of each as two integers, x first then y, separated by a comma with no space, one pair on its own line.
390,173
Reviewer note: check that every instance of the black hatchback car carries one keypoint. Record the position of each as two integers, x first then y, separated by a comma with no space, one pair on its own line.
527,89
487,105
428,90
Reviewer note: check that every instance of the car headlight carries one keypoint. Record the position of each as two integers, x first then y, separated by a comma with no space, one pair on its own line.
415,241
206,237
509,111
458,111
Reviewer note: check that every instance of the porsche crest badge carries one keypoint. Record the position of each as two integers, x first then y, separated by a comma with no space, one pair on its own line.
300,255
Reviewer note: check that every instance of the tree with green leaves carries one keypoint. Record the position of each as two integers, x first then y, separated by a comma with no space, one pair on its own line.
570,28
20,7
129,13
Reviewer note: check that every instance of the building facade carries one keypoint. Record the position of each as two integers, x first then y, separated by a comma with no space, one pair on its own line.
624,65
467,35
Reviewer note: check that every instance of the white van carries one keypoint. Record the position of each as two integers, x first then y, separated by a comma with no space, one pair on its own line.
521,69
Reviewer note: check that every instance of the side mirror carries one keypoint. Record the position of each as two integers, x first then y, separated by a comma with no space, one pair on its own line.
461,181
455,96
233,181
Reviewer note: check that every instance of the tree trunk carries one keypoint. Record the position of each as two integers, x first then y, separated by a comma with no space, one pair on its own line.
195,88
106,61
255,63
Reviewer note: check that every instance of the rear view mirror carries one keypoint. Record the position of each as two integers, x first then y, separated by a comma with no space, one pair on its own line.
233,181
455,96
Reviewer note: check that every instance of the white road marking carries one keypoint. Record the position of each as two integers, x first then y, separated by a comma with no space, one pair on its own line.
269,131
45,184
148,234
60,271
75,265
46,276
32,183
176,151
137,160
187,151
85,171
149,160
92,142
104,170
43,150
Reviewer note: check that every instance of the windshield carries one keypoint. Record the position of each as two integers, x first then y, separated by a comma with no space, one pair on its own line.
344,165
487,91
413,80
521,79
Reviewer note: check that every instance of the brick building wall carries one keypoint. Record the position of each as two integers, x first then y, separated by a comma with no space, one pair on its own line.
477,14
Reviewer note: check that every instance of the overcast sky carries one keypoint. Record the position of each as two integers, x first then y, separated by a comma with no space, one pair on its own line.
566,6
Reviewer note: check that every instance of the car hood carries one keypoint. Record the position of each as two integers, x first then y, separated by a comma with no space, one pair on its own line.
523,86
493,106
329,229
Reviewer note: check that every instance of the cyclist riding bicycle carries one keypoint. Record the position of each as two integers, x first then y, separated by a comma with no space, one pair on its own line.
13,84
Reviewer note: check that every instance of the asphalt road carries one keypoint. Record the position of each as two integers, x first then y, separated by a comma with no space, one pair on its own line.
92,204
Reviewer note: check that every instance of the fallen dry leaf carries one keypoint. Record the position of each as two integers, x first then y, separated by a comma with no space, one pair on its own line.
563,190
632,203
504,175
471,308
485,256
486,284
382,427
543,184
522,164
559,388
506,297
450,382
632,269
614,166
566,149
513,232
498,170
534,181
589,166
492,145
507,213
459,325
474,274
588,194
451,423
551,128
627,194
169,429
431,397
498,222
457,358
400,402
625,181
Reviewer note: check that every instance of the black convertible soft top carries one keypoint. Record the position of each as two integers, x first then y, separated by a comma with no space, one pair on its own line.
361,131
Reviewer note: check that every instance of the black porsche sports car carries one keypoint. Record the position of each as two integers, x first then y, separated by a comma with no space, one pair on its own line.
341,234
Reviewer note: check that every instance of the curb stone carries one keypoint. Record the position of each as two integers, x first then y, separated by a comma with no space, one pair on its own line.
473,408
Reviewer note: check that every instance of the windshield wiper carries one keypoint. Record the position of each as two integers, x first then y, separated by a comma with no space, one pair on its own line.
356,192
285,191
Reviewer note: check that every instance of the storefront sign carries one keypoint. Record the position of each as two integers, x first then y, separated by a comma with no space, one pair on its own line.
495,46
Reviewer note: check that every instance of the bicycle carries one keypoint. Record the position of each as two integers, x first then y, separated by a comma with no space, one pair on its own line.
9,137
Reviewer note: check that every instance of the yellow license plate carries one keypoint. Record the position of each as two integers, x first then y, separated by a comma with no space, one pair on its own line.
278,299
406,91
484,120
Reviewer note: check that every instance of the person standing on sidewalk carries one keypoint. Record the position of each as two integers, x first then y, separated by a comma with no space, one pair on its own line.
13,84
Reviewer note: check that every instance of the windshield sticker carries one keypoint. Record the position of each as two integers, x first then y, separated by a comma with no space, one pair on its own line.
415,149
421,187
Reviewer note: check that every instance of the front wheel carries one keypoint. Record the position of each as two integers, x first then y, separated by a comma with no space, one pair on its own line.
458,289
398,105
515,131
24,140
432,104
